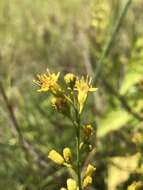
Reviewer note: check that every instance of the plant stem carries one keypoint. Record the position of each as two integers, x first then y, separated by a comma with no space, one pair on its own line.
78,152
110,39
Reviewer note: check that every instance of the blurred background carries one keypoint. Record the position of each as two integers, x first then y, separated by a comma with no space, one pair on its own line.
102,38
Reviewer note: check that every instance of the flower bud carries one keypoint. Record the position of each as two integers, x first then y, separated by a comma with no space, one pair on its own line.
60,104
87,181
70,80
67,154
90,170
88,131
71,184
56,157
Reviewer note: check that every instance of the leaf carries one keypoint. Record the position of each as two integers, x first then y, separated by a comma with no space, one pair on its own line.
113,121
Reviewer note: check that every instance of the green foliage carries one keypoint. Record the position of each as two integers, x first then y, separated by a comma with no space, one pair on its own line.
69,36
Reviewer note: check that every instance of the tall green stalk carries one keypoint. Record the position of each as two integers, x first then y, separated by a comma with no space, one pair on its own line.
61,102
78,152
110,40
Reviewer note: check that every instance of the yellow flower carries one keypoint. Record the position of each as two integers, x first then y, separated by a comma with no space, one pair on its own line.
63,188
71,184
136,186
67,154
87,181
48,81
83,86
56,157
88,131
70,80
90,170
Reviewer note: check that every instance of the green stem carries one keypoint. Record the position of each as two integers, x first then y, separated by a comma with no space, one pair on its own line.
78,152
111,38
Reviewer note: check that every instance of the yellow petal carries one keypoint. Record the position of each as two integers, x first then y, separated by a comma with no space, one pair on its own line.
92,89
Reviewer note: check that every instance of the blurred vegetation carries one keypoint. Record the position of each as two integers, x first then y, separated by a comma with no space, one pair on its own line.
103,38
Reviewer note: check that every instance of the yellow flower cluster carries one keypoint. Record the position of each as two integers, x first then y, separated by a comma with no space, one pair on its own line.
70,101
49,82
88,175
64,159
87,180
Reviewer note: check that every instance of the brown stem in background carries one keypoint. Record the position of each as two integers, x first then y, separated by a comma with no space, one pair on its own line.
26,146
122,100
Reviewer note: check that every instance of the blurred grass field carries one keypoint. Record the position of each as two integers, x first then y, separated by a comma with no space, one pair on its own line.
101,38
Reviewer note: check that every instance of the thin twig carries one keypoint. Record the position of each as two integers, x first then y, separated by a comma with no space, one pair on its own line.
89,157
105,53
122,100
110,40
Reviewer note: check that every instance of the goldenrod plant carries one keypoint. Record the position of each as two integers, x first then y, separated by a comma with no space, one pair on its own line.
70,101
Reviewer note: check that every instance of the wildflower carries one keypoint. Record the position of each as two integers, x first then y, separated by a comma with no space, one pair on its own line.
136,186
48,81
90,170
67,154
60,104
71,184
88,131
87,181
83,86
70,80
56,157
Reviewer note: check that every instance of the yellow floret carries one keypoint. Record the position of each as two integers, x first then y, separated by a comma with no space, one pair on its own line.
48,81
70,80
83,86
